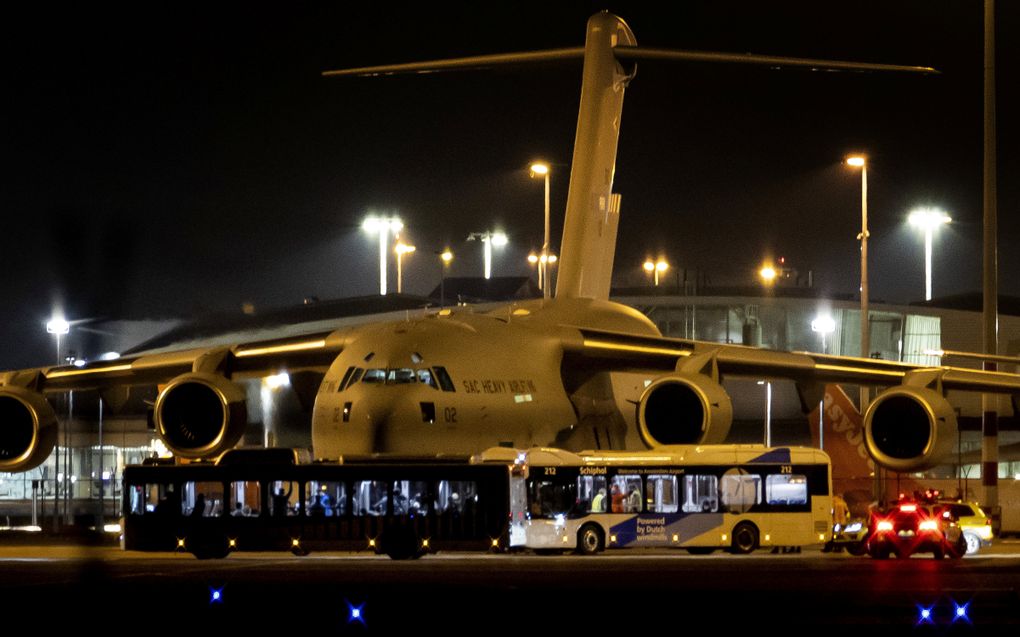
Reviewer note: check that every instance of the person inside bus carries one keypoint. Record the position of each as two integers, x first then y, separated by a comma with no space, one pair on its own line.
281,500
633,504
616,498
399,502
170,504
199,509
598,503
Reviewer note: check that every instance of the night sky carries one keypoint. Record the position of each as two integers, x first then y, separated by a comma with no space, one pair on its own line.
177,159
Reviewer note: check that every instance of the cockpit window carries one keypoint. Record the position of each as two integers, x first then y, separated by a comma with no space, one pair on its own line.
395,376
444,379
377,376
400,376
346,379
425,376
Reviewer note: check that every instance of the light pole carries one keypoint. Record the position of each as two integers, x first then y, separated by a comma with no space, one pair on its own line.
860,161
401,249
57,326
488,240
445,257
655,268
542,169
928,219
383,226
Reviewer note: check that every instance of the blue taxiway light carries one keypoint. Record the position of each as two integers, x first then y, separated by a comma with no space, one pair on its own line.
355,614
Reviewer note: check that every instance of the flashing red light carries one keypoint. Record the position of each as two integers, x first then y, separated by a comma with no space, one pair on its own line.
908,507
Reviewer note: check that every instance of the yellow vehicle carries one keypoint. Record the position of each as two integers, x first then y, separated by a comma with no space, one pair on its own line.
976,526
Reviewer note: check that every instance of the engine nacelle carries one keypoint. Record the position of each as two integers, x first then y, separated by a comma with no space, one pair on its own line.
910,428
28,429
199,415
684,409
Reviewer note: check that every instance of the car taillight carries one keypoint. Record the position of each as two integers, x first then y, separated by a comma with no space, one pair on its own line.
910,508
884,525
928,525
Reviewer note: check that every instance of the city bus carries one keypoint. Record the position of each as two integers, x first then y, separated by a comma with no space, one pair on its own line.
700,498
264,500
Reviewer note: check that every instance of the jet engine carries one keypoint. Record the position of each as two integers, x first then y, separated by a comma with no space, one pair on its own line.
28,429
200,415
684,409
910,428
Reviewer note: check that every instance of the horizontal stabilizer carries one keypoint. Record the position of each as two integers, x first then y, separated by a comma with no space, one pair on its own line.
648,53
460,64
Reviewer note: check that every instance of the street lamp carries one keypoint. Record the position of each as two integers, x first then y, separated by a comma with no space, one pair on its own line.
823,324
543,262
401,249
488,240
58,327
540,168
445,257
768,274
383,226
928,219
655,268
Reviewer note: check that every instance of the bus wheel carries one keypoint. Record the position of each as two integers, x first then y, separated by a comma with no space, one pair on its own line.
745,538
590,540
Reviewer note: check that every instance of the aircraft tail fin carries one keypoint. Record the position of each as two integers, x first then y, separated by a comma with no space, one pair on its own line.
842,437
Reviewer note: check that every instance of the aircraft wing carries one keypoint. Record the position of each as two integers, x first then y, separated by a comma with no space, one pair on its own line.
621,351
306,352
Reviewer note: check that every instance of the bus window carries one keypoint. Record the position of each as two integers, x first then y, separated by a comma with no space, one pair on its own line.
662,494
203,499
591,494
370,497
550,499
701,494
418,498
626,494
147,498
454,495
325,498
246,497
786,489
740,490
284,498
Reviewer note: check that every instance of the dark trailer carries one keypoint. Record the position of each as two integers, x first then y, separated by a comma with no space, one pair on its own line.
269,502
